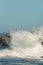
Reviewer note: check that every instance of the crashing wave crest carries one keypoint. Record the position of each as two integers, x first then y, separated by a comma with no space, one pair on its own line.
25,44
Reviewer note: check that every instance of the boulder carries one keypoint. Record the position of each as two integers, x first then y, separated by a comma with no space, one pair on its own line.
5,40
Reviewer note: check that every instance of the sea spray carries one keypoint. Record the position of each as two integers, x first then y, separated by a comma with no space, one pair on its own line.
25,44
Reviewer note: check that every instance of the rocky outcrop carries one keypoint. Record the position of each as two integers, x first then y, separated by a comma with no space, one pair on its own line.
4,40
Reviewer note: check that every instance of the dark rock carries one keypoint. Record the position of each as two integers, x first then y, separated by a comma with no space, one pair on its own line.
42,42
4,40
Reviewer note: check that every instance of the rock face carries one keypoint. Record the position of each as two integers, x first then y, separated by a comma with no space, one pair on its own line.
4,40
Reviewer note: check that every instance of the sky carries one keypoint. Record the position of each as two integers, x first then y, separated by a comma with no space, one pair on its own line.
24,14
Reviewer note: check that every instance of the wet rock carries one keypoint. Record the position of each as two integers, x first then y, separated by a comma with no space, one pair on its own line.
42,42
4,40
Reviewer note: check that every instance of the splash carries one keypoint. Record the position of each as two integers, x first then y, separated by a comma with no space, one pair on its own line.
25,44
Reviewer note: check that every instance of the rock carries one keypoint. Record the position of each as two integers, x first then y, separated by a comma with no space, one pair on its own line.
4,40
42,42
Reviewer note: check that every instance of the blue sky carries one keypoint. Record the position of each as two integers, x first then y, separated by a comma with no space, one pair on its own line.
22,13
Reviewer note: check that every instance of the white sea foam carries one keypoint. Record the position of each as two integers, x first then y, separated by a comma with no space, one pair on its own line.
25,44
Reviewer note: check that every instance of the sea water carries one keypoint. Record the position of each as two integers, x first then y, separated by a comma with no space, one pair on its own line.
20,61
25,48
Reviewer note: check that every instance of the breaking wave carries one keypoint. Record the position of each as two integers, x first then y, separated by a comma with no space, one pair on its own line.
25,44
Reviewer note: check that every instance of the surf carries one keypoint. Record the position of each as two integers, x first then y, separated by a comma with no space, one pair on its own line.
25,44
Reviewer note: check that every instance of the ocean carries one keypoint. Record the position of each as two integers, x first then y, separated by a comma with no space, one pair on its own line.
20,61
25,48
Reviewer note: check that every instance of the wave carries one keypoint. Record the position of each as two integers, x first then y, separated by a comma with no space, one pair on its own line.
25,44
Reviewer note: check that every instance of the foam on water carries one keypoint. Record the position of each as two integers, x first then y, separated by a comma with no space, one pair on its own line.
25,44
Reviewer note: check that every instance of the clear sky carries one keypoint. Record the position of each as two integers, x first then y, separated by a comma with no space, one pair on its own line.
22,13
